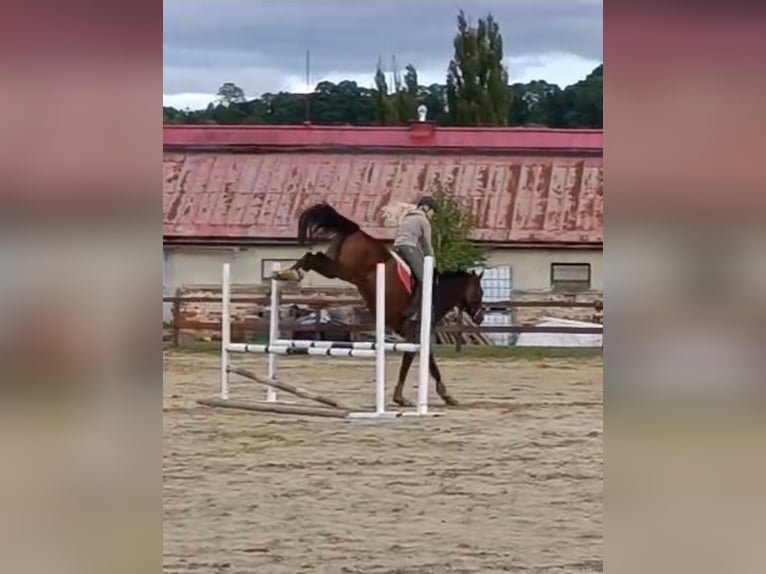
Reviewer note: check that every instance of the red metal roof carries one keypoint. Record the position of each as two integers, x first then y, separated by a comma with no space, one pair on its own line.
511,198
417,135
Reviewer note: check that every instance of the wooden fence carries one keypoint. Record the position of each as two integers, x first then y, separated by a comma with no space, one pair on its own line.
249,328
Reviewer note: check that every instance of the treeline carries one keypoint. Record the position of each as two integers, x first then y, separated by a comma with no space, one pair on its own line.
476,92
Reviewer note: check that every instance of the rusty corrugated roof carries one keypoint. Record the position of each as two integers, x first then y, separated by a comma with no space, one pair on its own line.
540,199
417,135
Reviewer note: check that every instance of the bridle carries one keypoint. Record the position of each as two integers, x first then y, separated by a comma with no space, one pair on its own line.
477,315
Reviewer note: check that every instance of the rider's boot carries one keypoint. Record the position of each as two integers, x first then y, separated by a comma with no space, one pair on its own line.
414,303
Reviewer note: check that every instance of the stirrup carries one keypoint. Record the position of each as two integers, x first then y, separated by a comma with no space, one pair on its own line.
413,306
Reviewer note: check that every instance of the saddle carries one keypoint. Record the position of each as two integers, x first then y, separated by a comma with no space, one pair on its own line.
404,272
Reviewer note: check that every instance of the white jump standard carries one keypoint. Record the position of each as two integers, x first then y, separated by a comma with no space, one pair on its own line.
376,349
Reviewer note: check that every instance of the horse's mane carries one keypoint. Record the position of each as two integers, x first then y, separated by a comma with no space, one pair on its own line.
454,274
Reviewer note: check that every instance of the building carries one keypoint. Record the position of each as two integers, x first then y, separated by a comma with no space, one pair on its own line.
234,193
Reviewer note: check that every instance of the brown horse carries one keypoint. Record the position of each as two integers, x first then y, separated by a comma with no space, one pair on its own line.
353,256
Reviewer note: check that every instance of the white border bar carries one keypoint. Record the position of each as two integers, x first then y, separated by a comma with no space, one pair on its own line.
425,334
225,331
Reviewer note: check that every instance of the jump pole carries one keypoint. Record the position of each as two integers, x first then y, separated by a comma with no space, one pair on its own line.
226,345
271,393
424,347
380,339
380,352
225,331
425,335
378,349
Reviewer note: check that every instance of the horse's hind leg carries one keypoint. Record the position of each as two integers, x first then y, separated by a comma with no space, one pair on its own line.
322,264
318,262
399,399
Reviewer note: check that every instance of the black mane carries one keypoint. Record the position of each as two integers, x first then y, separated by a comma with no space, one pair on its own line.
455,274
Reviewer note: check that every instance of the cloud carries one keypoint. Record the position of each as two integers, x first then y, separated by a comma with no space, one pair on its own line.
261,44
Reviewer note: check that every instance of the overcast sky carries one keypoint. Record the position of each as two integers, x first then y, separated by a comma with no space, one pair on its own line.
261,44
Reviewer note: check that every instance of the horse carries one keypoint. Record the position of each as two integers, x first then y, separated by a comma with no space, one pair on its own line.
353,256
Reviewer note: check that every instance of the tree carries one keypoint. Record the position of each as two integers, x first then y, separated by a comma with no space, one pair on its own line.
407,94
451,233
477,81
435,99
534,103
385,111
584,101
400,106
230,93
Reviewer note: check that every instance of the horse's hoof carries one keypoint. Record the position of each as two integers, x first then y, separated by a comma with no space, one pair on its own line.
448,400
402,402
287,275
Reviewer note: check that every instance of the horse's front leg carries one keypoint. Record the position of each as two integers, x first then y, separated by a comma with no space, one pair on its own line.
433,371
441,388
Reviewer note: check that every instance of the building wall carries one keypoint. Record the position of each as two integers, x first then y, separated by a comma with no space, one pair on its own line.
187,266
532,267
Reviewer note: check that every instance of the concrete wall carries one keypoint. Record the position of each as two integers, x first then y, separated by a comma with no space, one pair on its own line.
187,266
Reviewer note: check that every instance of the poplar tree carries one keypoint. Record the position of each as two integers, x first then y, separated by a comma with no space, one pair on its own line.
477,80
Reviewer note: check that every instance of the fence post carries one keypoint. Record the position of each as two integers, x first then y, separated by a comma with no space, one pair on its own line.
176,317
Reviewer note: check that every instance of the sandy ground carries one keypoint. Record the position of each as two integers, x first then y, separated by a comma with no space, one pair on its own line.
510,481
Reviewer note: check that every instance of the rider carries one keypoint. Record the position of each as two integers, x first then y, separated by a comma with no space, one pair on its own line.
413,243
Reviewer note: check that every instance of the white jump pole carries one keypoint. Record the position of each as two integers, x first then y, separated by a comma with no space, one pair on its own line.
425,334
225,331
271,393
380,338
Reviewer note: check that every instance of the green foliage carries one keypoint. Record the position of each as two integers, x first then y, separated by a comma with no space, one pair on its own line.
477,81
583,103
451,233
385,111
577,106
230,93
536,103
399,106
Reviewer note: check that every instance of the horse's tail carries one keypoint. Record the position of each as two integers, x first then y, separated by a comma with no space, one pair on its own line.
321,220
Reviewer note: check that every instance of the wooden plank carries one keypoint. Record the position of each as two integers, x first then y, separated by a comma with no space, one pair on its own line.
275,408
325,301
291,389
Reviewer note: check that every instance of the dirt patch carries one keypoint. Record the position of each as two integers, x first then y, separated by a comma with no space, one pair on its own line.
510,481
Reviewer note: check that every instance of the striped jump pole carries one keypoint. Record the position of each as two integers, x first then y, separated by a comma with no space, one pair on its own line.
313,351
371,346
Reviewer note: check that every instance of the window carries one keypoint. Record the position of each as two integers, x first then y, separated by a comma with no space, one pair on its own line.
268,266
570,276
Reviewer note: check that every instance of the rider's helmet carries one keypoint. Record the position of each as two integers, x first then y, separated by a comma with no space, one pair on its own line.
427,201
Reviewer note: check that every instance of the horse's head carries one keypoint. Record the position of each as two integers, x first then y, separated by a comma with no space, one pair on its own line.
472,299
464,292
